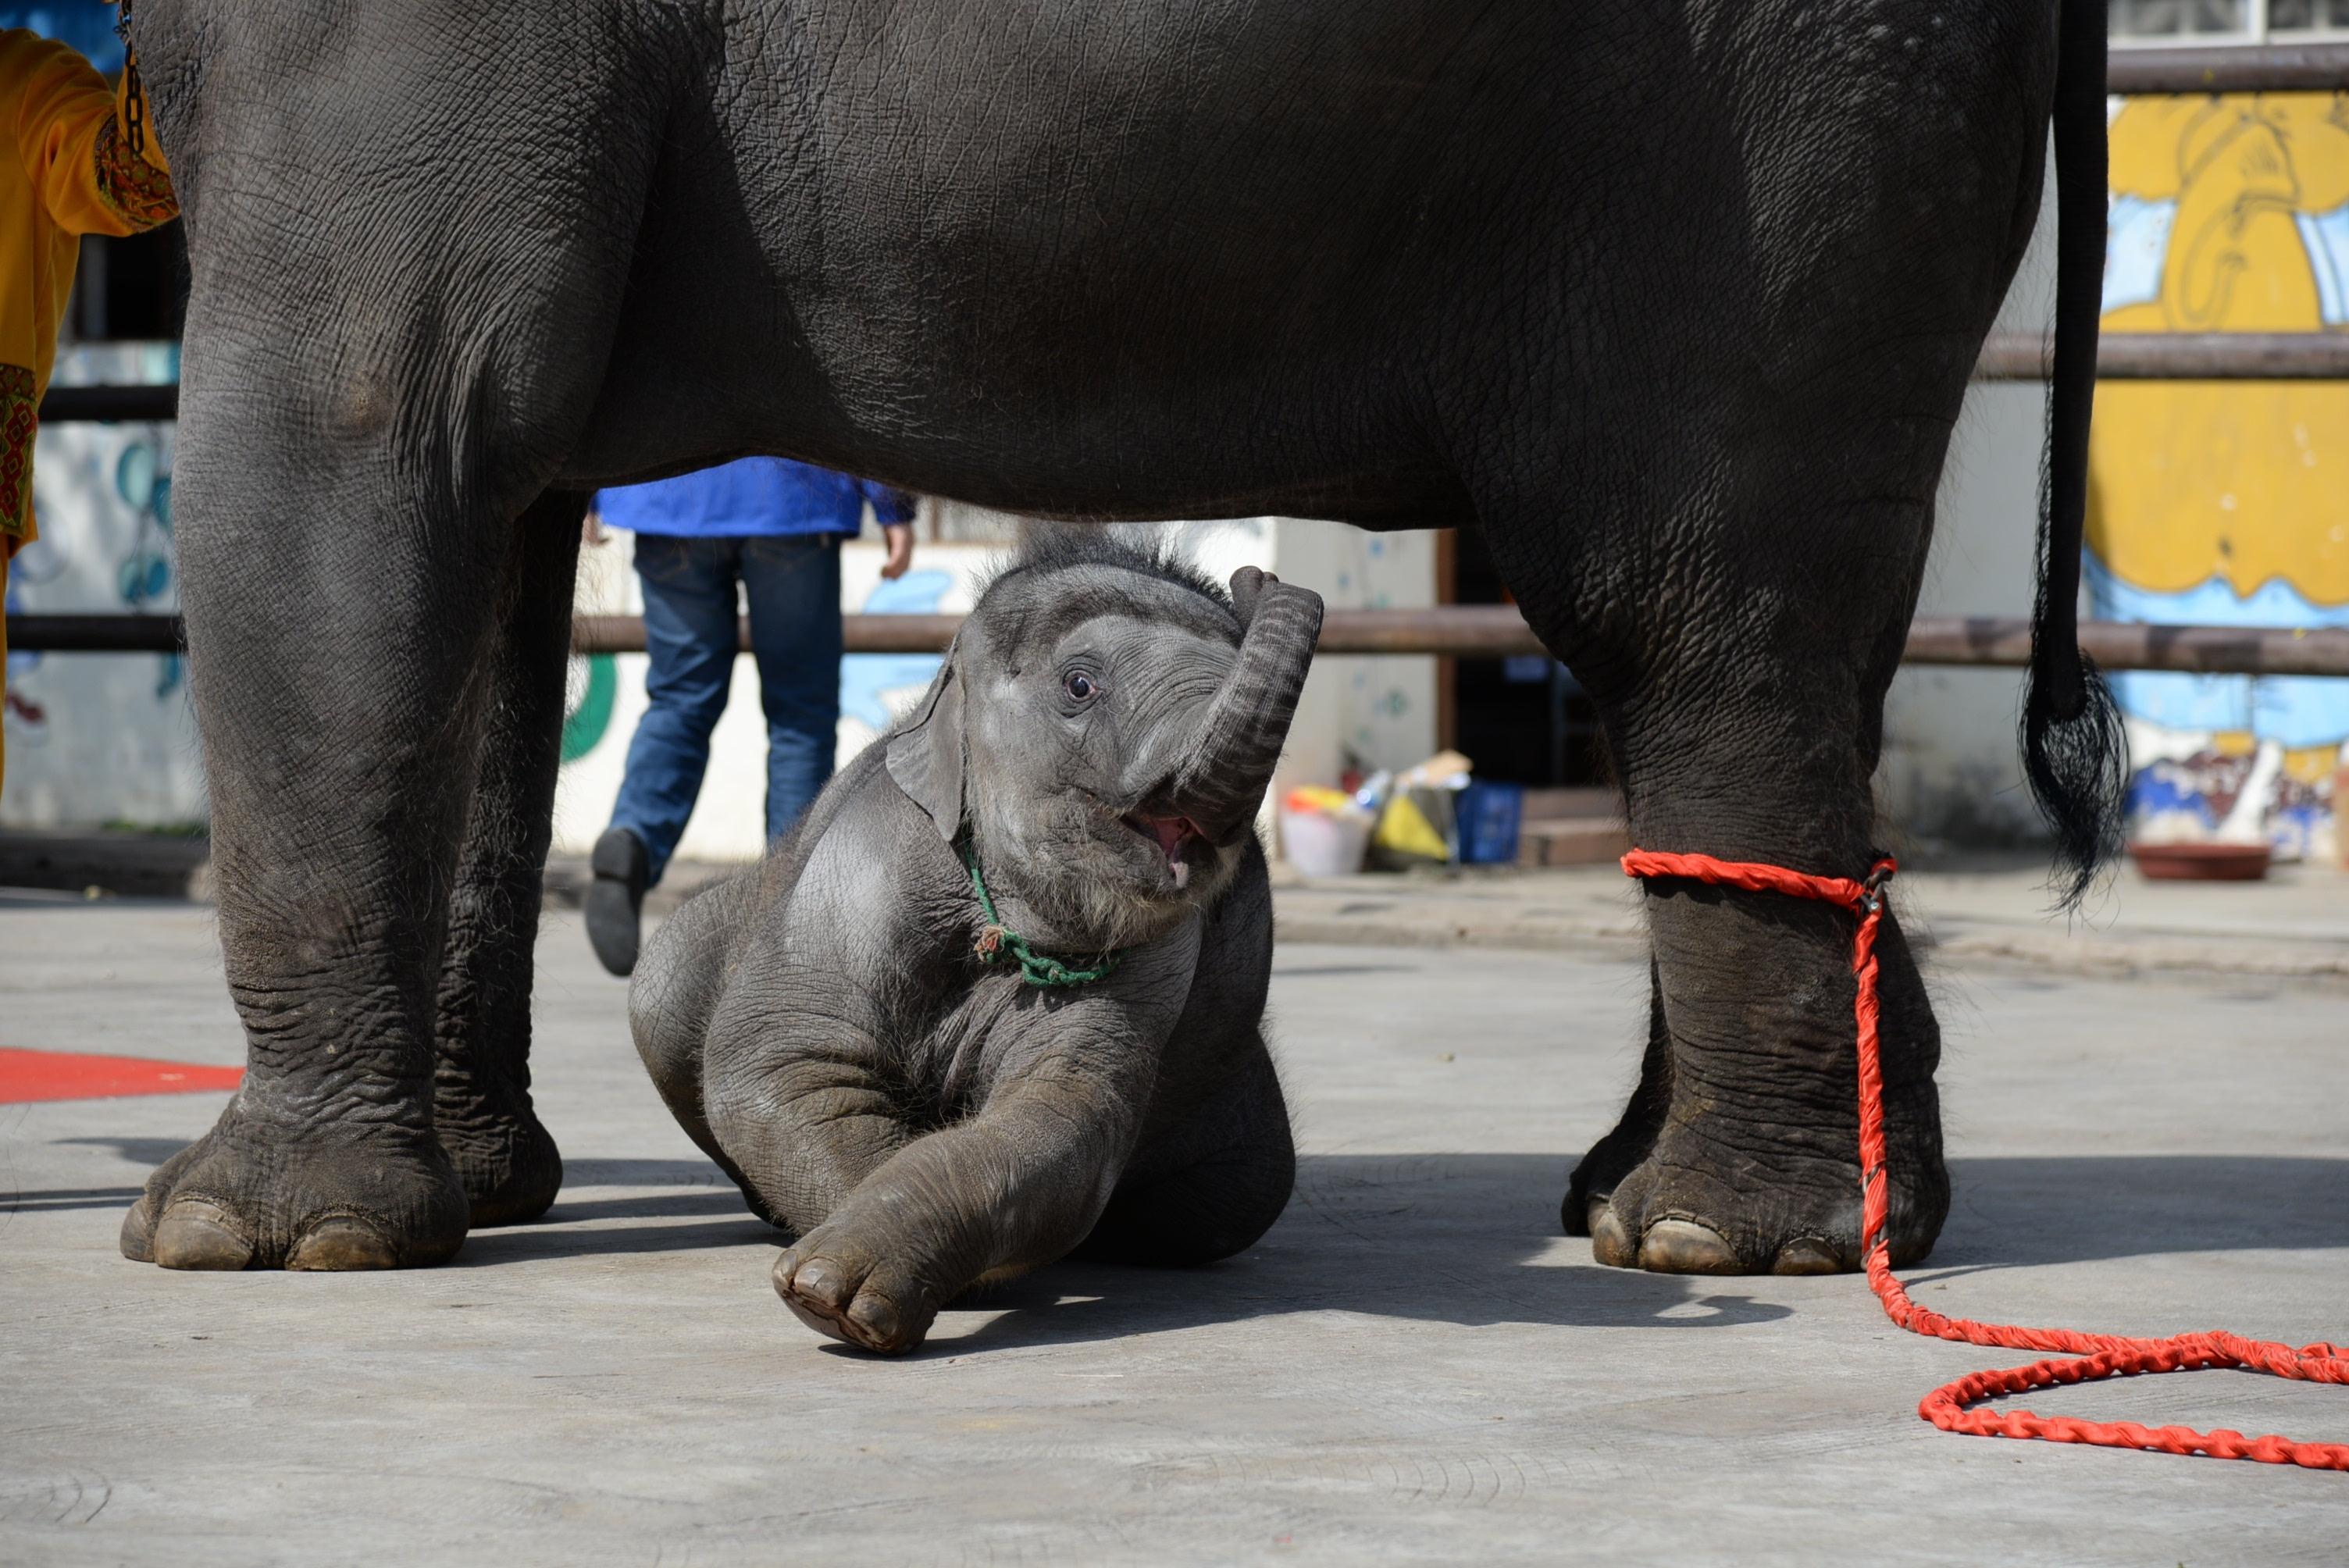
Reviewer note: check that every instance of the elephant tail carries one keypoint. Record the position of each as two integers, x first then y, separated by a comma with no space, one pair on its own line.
2074,748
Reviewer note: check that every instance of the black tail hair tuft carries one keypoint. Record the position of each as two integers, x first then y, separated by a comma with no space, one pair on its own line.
2078,770
2075,751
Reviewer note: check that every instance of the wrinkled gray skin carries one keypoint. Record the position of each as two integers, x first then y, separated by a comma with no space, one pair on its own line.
826,1030
1675,299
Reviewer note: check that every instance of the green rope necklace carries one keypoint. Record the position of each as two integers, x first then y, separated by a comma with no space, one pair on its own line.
1036,968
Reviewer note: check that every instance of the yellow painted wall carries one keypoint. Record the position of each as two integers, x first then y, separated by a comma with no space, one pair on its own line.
2246,481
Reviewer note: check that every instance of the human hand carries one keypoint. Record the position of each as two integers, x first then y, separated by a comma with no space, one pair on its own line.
900,537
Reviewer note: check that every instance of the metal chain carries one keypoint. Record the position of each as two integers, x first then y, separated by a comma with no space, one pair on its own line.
134,91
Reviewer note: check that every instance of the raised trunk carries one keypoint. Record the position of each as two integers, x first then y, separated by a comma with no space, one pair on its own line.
1228,760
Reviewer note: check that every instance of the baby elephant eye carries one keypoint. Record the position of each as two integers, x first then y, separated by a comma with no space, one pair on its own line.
1081,685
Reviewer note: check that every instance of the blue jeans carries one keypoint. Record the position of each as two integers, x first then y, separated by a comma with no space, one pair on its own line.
792,584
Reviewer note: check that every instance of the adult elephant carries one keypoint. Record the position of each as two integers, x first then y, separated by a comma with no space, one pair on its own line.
1676,300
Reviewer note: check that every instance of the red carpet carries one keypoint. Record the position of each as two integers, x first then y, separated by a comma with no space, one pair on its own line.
62,1075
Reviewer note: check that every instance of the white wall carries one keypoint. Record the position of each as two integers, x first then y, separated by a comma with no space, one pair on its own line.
101,737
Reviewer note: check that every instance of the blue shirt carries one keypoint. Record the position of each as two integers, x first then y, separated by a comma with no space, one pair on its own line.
753,496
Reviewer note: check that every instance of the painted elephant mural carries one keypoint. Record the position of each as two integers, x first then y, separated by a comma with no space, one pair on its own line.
1676,303
2225,503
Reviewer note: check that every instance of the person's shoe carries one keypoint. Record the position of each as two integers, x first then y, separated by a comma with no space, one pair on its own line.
616,897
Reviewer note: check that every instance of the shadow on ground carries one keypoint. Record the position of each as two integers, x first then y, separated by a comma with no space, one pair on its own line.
1467,1239
1450,1238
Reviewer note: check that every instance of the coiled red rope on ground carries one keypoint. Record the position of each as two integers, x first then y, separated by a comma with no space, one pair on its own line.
2100,1355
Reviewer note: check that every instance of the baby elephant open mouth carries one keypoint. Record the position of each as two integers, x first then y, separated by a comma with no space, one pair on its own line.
1175,836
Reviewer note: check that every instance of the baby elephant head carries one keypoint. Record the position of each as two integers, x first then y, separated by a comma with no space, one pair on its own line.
1104,728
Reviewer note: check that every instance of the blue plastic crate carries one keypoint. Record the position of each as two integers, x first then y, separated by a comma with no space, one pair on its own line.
1486,820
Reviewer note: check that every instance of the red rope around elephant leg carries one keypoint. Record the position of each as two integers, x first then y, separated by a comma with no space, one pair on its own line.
2100,1355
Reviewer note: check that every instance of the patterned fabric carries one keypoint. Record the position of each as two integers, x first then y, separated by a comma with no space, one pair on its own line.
134,188
18,417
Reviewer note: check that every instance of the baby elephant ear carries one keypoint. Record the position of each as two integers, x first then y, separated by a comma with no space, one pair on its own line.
924,757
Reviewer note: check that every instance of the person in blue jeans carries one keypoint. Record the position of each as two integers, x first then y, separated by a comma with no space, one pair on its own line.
772,527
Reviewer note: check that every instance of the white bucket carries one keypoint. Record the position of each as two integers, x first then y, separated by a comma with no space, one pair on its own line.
1322,846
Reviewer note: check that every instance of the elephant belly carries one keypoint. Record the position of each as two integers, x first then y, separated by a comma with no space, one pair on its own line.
1163,267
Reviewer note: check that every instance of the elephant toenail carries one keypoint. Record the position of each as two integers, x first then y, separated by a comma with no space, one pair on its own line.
876,1323
341,1242
1683,1246
1610,1241
1807,1255
196,1234
138,1238
819,1284
823,1322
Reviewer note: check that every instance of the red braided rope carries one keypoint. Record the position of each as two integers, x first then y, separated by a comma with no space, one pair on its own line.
2101,1355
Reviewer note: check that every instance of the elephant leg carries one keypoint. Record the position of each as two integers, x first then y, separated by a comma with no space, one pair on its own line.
1709,478
1739,653
341,700
1007,1190
1211,1185
678,983
1753,1166
1738,1153
1622,1151
384,375
894,1222
481,1089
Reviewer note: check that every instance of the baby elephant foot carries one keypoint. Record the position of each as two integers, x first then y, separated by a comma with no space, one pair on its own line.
236,1199
839,1288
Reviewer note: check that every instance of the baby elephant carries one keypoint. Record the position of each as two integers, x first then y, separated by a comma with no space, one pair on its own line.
1000,996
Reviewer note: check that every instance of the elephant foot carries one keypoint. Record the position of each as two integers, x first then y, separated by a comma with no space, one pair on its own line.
1610,1161
836,1288
1738,1153
504,1156
240,1198
1677,1211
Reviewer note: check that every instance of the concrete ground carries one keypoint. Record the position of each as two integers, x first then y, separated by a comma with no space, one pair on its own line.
1413,1366
2293,924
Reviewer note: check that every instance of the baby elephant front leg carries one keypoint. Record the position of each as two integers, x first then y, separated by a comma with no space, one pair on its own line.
1012,1189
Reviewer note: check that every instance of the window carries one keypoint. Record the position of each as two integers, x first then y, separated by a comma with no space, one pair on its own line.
2183,22
2308,16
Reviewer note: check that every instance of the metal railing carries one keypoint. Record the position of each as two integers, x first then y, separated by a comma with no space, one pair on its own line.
2179,356
1463,631
2227,68
142,403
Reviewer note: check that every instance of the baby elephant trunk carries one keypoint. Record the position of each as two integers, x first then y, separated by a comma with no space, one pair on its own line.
1228,764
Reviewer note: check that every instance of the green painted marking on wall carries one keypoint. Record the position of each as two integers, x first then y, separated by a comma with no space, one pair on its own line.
583,725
